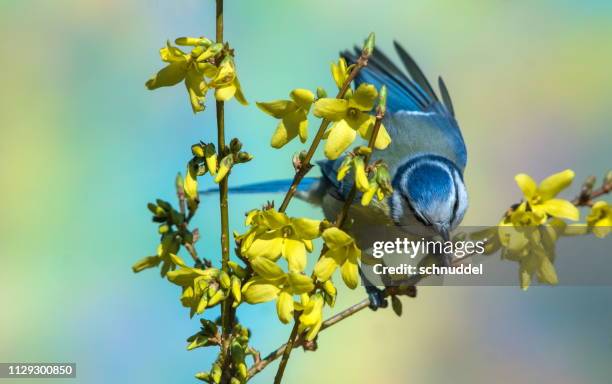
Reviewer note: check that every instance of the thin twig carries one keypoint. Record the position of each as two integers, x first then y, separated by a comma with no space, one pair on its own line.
343,215
305,164
227,312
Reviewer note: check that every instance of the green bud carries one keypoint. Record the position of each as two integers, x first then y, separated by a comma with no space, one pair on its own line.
178,182
237,269
244,157
236,287
224,168
156,210
382,99
242,371
224,279
608,178
234,381
204,376
368,46
235,145
216,298
321,93
164,205
216,373
202,304
164,228
590,182
197,150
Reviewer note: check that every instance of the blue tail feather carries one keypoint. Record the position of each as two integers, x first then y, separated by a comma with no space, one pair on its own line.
273,186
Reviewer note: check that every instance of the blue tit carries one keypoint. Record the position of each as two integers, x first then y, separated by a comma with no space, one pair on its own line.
426,158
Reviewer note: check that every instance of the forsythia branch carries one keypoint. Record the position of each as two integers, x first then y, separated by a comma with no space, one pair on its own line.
305,164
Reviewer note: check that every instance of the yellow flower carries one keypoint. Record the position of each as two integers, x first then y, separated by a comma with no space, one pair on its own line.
200,287
350,116
273,234
271,282
293,115
312,315
600,219
341,252
183,67
540,198
225,81
340,72
524,240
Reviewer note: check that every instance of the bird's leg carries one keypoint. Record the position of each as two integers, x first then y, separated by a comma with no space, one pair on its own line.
375,294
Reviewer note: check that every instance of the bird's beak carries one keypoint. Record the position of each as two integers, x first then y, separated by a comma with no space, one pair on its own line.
442,230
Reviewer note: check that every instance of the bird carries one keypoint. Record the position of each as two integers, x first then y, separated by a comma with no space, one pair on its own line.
427,158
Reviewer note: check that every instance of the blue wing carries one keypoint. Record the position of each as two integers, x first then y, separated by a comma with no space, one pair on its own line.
417,120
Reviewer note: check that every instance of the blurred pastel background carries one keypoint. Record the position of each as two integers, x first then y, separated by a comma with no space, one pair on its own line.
84,147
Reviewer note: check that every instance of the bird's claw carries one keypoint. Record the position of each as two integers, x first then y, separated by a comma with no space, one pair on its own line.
377,298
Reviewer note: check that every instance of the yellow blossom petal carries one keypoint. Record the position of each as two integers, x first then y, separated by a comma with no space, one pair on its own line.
340,138
257,291
277,108
339,72
295,253
561,208
364,97
168,76
335,238
306,228
552,185
269,248
283,134
226,92
325,268
361,179
284,307
299,283
239,94
267,269
350,274
332,109
527,185
302,97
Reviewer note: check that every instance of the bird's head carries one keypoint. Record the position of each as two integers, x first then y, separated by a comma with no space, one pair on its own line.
429,196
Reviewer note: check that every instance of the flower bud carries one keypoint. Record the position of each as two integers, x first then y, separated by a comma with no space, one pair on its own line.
368,46
224,279
382,99
197,150
192,41
321,93
244,157
204,376
211,158
361,179
224,168
216,298
215,373
236,286
235,145
608,178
